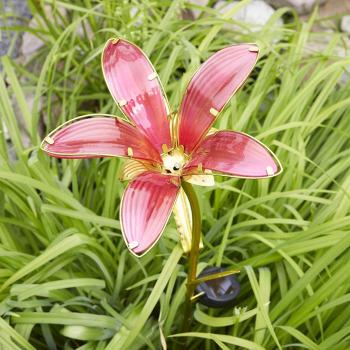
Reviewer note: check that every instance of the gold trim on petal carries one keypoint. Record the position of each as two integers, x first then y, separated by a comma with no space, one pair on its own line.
133,244
212,131
132,168
174,129
152,76
130,152
269,171
183,218
254,49
214,112
206,180
165,148
49,140
122,103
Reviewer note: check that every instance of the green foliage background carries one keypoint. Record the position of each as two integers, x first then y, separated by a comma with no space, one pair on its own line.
67,280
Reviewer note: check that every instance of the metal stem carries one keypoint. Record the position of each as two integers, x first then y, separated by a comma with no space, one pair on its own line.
194,253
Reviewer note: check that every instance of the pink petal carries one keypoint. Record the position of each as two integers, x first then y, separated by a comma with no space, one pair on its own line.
145,209
234,154
211,88
134,85
99,136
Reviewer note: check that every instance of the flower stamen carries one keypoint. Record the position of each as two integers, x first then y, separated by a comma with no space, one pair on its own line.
173,160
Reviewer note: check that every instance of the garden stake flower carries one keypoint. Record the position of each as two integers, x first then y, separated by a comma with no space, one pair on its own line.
166,151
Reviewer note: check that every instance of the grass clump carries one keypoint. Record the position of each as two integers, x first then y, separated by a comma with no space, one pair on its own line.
67,280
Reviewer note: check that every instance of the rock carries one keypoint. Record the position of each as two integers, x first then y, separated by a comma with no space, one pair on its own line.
301,6
345,24
320,44
139,15
9,7
256,13
335,8
195,12
31,43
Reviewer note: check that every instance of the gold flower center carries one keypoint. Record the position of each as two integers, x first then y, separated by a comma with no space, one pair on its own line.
174,161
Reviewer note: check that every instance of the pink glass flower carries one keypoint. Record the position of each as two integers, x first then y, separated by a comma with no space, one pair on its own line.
164,149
